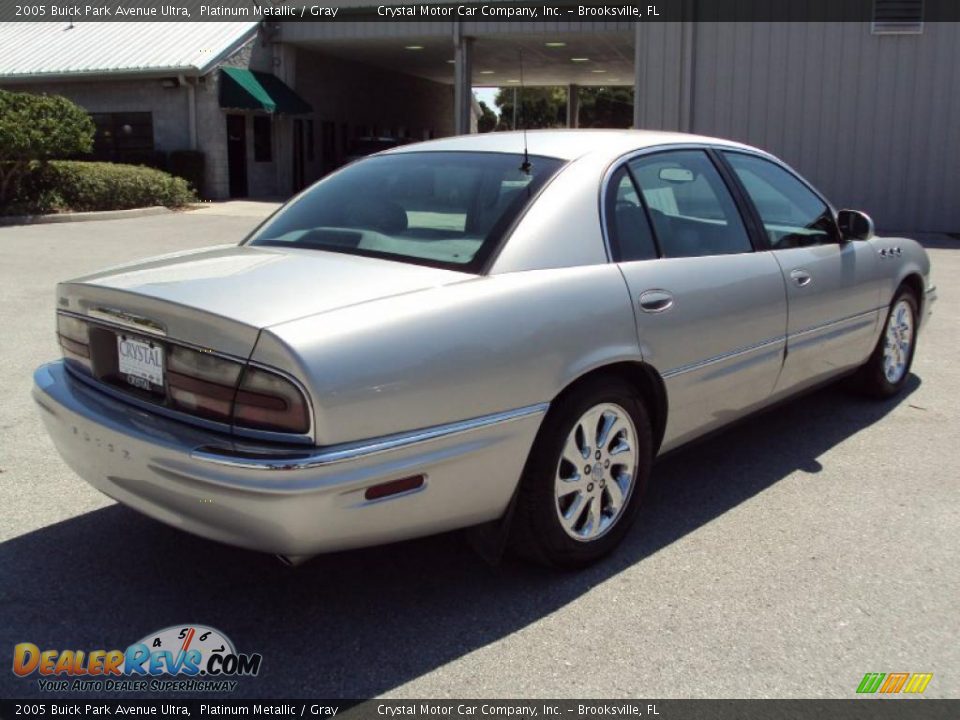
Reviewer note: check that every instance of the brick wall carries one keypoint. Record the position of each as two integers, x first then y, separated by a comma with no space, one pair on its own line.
171,130
350,95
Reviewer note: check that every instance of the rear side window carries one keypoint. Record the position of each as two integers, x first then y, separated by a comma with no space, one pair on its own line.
631,236
792,214
690,207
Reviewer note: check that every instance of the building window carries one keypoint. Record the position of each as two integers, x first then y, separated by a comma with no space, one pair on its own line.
262,138
122,135
897,17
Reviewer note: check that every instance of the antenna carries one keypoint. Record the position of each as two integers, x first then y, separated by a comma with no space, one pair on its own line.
525,166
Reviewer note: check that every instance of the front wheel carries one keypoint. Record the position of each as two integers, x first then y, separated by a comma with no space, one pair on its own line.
586,475
888,368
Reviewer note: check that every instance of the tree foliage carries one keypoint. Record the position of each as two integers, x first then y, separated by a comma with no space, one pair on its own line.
38,128
487,120
538,107
606,107
546,107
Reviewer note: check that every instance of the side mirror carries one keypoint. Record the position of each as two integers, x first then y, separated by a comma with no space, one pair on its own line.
855,225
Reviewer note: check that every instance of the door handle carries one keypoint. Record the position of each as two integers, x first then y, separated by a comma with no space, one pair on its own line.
801,277
655,301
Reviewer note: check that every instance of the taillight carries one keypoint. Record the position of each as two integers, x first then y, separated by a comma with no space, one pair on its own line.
74,336
266,401
201,383
198,382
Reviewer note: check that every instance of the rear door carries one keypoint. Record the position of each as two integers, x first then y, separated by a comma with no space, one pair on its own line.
832,290
711,311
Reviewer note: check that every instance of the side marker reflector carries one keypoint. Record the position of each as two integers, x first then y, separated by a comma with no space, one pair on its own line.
394,487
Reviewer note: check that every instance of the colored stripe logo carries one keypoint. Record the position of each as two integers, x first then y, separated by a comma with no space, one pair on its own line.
892,683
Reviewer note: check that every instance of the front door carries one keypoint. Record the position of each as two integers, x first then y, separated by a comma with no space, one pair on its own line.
832,288
237,154
711,312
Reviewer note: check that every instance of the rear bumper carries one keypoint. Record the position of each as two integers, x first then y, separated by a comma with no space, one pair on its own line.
288,501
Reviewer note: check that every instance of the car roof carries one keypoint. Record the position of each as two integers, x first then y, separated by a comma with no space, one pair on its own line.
563,144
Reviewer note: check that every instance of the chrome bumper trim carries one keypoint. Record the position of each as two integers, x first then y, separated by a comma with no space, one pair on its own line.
294,460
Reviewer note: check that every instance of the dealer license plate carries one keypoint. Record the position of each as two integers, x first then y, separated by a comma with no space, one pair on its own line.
141,362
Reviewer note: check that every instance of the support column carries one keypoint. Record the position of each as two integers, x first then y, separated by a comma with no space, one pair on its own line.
284,65
573,106
687,49
462,81
638,76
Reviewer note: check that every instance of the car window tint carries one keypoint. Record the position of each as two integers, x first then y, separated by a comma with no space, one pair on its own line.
792,215
631,237
445,209
691,209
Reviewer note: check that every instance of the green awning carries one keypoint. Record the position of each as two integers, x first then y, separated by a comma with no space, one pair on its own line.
242,89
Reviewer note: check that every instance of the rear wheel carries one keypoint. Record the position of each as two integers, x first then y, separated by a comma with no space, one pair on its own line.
586,475
888,368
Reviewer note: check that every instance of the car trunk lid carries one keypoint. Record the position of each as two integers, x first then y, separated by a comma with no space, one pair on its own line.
221,297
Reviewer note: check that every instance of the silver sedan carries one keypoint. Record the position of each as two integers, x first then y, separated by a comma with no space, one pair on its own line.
499,330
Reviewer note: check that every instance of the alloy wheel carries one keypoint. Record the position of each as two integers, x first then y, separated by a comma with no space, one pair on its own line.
897,342
596,472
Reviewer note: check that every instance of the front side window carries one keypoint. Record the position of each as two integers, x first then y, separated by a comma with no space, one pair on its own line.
445,209
690,207
792,214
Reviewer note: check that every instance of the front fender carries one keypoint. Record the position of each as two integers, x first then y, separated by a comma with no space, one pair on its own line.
904,258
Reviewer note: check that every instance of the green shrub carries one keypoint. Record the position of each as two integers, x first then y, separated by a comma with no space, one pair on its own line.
37,128
69,185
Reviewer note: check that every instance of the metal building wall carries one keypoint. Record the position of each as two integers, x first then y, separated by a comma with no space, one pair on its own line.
872,120
300,32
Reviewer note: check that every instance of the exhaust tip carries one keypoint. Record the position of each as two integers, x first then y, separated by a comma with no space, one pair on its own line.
293,560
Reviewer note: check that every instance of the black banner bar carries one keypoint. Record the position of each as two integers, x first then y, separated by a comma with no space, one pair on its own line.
501,11
873,708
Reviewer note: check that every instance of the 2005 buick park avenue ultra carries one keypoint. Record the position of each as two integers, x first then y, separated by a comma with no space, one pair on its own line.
472,329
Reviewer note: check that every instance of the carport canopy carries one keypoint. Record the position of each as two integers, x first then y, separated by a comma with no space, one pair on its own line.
242,89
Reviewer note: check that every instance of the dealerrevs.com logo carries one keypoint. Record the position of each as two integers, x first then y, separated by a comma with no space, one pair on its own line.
188,658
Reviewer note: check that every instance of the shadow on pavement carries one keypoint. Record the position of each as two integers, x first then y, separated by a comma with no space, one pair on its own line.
361,623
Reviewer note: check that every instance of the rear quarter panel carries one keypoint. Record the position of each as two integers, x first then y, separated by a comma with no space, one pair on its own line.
451,353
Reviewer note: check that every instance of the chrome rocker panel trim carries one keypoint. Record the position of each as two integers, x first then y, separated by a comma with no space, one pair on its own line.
353,451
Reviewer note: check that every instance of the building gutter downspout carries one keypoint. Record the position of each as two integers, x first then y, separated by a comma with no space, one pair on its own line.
191,109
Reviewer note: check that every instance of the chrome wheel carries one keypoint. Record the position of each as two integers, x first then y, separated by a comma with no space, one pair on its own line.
596,472
897,342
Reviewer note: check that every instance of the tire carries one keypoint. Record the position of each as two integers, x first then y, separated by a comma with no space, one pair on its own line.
887,370
595,521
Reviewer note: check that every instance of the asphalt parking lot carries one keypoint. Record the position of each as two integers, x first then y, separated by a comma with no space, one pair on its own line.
783,558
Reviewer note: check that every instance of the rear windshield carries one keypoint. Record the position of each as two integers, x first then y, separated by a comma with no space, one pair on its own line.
444,209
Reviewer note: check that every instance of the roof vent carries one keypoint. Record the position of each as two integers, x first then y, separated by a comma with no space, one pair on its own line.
897,17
